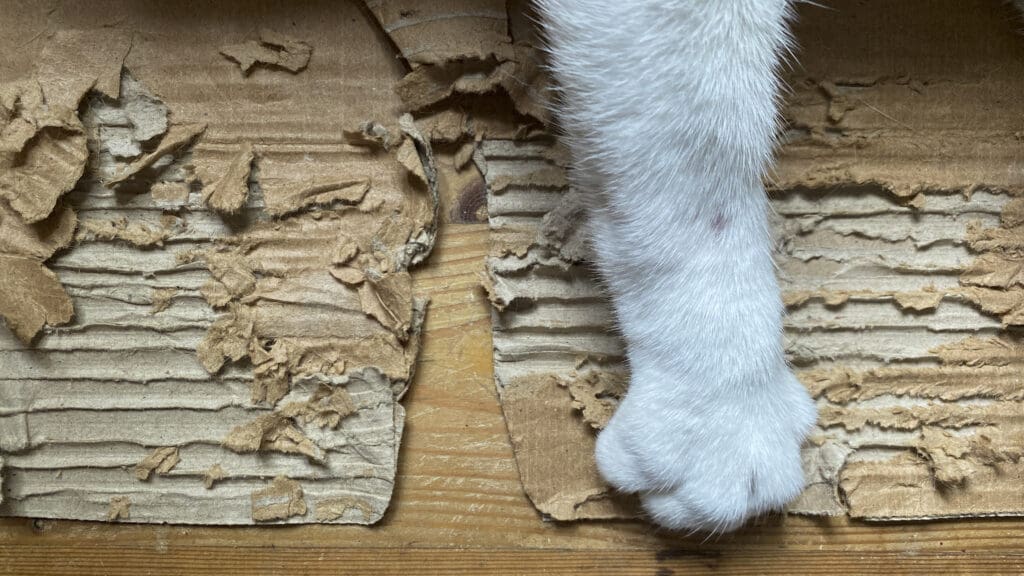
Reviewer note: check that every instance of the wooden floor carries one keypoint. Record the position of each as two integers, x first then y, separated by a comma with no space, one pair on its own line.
459,508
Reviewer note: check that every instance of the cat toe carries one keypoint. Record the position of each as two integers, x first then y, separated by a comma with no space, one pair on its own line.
687,510
616,461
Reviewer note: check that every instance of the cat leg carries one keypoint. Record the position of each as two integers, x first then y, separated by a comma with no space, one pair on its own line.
671,105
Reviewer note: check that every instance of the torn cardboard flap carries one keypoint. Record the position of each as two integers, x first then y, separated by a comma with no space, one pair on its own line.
177,138
39,240
212,353
41,140
444,32
41,167
160,461
455,48
31,297
230,192
900,270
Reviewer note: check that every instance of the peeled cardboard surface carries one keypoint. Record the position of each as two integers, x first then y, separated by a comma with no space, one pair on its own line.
214,371
898,249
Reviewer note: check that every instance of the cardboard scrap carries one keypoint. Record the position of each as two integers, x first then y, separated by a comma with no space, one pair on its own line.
31,296
120,508
558,365
160,461
211,347
461,48
595,394
39,240
273,49
310,192
901,272
161,299
549,439
215,474
43,150
325,408
335,508
228,195
283,498
373,134
42,144
272,433
134,233
171,193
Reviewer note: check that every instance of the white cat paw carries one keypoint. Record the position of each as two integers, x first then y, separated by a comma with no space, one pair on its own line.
707,456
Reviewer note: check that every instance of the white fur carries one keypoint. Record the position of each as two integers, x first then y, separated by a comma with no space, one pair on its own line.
670,108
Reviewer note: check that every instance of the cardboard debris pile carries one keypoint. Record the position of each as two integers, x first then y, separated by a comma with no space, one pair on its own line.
204,263
897,194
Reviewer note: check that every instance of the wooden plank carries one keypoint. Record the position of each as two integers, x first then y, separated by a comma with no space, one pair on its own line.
230,560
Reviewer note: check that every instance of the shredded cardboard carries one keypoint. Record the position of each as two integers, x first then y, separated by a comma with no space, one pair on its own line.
373,134
595,395
897,223
170,194
306,193
282,499
135,233
236,298
457,49
186,235
215,474
335,508
162,299
325,408
229,194
272,433
160,461
120,508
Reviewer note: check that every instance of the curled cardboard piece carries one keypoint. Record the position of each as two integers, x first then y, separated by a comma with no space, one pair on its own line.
43,154
898,250
215,371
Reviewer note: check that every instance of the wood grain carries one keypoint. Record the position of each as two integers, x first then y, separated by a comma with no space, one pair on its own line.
232,560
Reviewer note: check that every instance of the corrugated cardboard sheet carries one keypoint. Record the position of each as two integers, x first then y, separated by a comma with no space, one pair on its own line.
898,200
207,216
